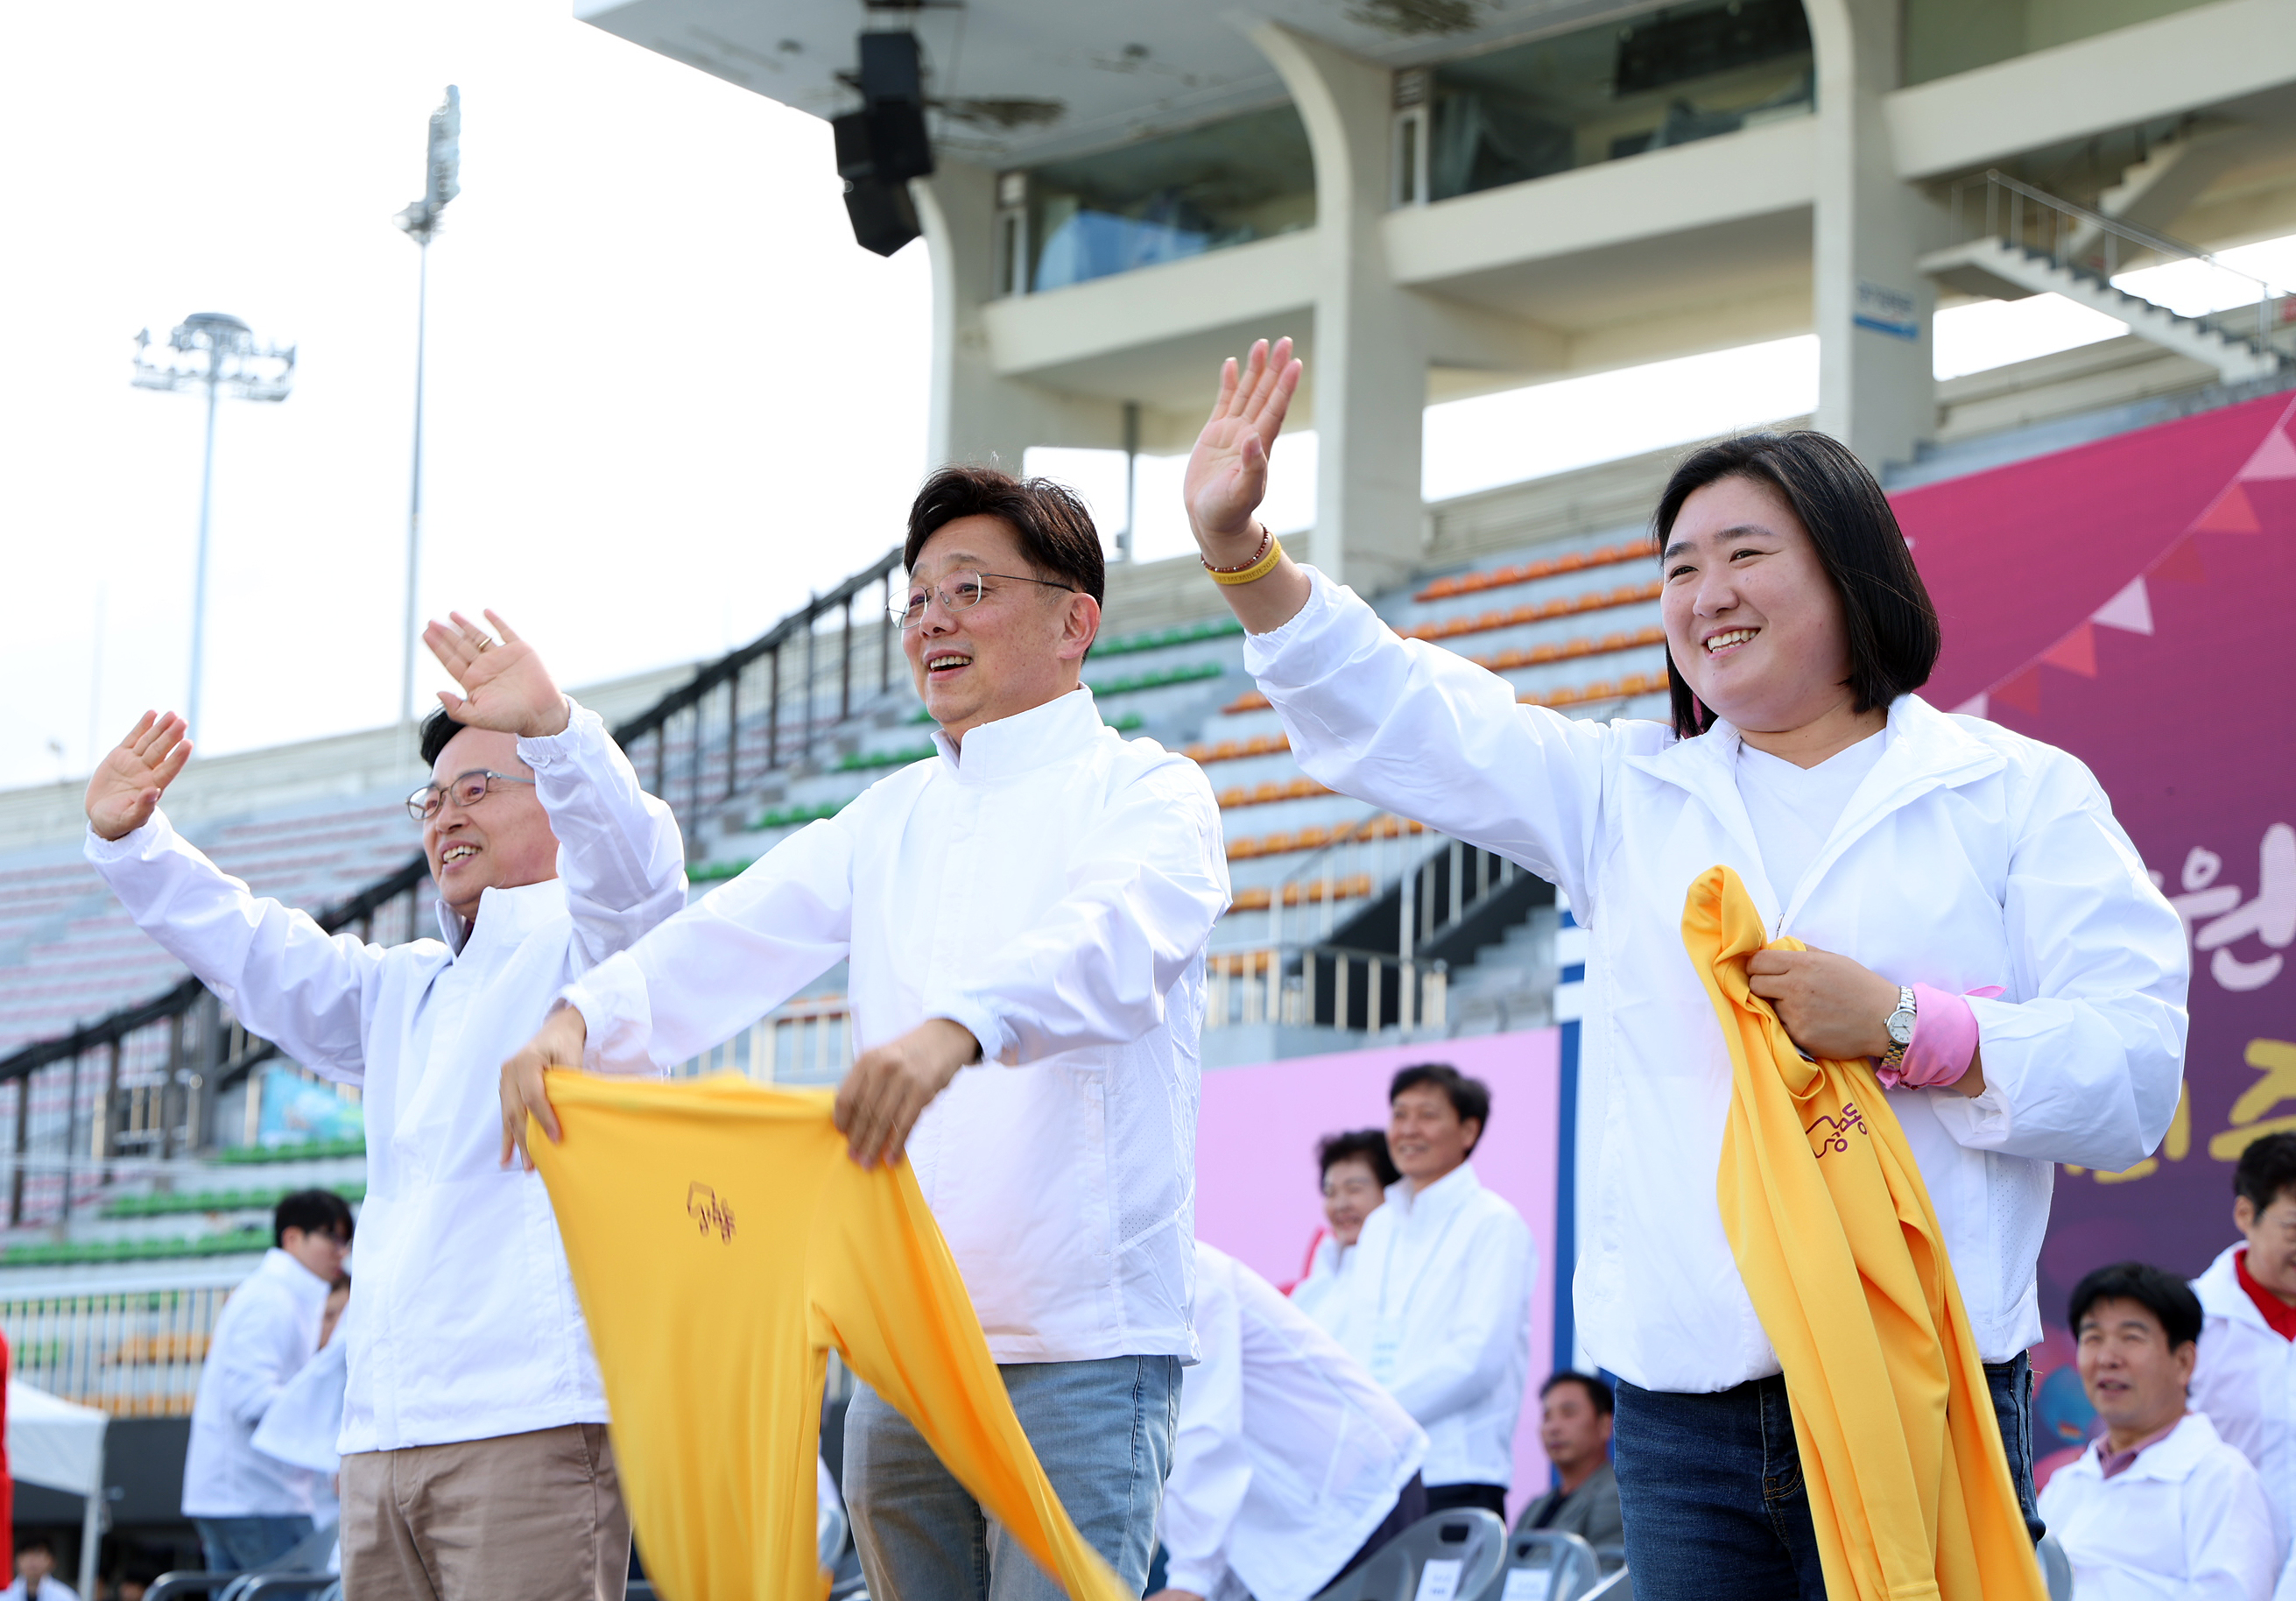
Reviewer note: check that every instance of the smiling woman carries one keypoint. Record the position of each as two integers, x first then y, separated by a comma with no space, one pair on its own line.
1965,913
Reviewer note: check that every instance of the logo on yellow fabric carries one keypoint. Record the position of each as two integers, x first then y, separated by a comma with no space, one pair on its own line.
1833,1134
707,1211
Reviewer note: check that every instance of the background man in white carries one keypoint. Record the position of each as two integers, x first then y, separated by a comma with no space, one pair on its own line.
1037,895
1438,1305
2160,1507
1289,1456
475,1461
2245,1376
249,1509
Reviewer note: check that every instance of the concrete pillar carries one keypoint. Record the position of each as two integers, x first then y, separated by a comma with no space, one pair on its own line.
1873,305
977,415
1370,370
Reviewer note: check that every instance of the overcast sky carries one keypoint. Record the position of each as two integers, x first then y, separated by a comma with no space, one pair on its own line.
668,394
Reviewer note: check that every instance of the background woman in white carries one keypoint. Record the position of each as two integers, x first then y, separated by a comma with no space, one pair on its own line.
1357,1171
1976,919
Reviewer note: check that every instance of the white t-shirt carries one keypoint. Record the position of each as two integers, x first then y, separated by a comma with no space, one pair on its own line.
1793,809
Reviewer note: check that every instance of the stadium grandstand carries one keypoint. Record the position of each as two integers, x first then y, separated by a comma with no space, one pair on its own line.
1740,172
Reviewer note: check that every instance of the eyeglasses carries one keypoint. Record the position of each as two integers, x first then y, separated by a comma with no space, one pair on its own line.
468,789
958,592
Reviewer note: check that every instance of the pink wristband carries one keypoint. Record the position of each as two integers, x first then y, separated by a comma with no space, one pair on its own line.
1944,1042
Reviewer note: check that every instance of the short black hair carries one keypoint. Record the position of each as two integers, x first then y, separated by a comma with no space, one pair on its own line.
1598,1394
1054,525
1471,1098
2265,1170
35,1542
2163,1294
314,1211
1894,636
1365,1145
438,729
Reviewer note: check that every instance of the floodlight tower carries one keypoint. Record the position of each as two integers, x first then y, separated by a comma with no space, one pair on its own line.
441,181
221,354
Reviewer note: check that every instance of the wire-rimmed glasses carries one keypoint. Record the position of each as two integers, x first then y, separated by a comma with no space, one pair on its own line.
467,788
959,591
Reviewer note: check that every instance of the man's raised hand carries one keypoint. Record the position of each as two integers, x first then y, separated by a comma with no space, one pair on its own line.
1227,471
505,686
126,787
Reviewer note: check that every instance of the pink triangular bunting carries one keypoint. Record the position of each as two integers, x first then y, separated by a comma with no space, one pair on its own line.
2276,457
2076,652
2231,514
2182,564
2022,691
1972,707
2130,611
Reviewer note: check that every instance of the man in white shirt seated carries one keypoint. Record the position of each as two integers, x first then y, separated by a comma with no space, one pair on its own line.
1576,1414
249,1509
2245,1379
2160,1507
1438,1305
1024,915
1288,1458
475,1459
1357,1171
36,1569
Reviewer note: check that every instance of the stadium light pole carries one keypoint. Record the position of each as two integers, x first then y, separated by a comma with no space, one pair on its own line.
441,183
221,354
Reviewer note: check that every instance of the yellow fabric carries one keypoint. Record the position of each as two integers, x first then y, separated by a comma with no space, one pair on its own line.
723,1243
1841,1253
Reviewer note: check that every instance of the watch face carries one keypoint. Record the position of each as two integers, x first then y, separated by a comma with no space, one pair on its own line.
1901,1028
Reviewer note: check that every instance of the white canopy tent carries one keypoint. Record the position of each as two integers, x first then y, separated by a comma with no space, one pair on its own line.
58,1445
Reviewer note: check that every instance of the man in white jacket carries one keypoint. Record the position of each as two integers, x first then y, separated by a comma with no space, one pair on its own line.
1024,914
2160,1507
475,1461
2245,1379
249,1509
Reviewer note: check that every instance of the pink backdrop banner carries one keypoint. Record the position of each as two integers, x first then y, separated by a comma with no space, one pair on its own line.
1258,1196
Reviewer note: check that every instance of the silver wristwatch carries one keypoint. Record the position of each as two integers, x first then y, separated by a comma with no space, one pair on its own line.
1901,1025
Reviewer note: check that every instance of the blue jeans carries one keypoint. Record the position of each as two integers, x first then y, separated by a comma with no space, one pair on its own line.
241,1545
1712,1491
1102,1431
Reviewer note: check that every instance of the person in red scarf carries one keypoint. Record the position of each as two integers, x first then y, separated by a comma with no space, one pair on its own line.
2245,1379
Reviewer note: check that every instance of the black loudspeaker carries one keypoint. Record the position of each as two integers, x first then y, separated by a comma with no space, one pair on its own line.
886,142
891,68
883,216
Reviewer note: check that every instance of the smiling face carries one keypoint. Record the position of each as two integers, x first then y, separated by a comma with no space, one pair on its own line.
2271,1242
1023,646
502,841
1351,1193
1426,1138
2134,1379
1754,624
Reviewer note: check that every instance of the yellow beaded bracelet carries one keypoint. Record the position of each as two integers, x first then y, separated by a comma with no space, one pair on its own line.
1257,571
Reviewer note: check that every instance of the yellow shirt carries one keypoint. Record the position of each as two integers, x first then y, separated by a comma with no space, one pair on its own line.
722,1243
1841,1250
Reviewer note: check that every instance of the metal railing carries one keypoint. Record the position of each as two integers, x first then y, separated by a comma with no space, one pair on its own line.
805,1041
2080,239
145,1079
134,1354
1325,986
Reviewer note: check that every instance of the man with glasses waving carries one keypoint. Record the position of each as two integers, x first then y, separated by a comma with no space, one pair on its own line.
474,1454
1024,915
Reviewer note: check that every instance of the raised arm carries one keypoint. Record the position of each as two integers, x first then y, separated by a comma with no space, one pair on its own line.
619,854
1227,479
286,980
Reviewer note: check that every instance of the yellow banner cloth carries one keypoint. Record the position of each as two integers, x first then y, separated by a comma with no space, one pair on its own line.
1834,1234
723,1244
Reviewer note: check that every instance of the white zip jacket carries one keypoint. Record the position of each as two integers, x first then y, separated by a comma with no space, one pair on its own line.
2245,1381
264,1337
463,1323
1051,891
2185,1521
1288,1456
1969,856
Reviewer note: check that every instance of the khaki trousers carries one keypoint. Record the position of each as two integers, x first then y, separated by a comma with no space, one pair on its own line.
535,1516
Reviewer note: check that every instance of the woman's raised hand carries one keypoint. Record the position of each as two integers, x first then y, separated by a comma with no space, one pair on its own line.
126,787
1227,471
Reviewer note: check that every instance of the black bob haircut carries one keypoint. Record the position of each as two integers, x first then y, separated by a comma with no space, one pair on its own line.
1471,1098
314,1211
2266,1171
2163,1294
1598,1394
1357,1144
1055,530
1892,627
438,728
